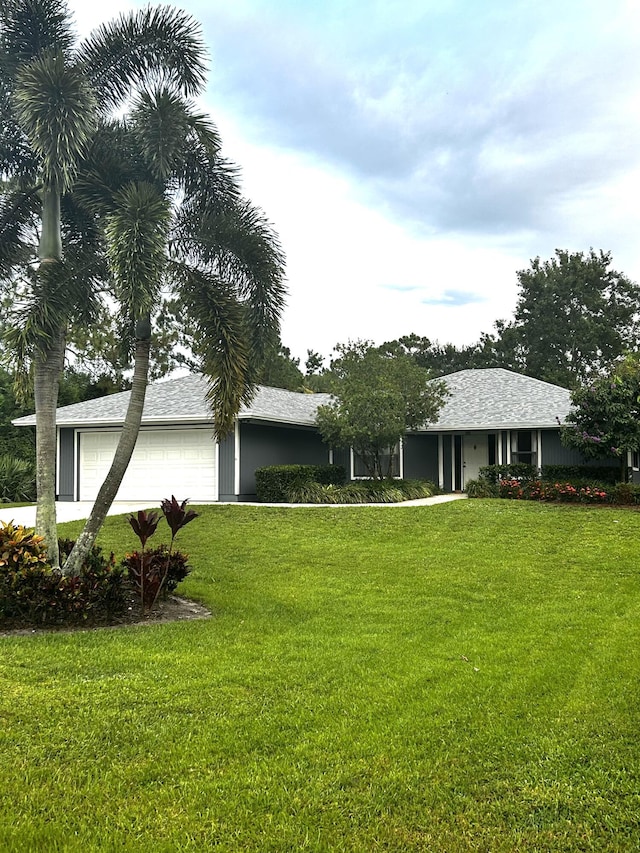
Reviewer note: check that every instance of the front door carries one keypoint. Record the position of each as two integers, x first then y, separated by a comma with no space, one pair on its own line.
475,454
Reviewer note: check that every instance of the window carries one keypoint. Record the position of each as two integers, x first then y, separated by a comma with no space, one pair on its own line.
393,455
635,459
524,446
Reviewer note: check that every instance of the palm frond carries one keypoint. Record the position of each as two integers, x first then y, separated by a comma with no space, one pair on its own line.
217,321
141,49
136,244
160,122
18,239
56,109
241,247
49,297
30,27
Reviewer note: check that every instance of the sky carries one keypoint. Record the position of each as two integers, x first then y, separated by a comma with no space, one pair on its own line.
414,155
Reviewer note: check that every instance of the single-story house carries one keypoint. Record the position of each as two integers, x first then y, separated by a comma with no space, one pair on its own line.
490,416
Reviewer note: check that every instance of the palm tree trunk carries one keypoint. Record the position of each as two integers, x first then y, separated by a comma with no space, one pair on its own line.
47,368
121,460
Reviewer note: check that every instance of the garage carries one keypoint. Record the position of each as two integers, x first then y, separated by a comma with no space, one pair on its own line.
165,462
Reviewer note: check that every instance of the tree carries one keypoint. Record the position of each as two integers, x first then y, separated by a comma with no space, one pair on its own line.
605,419
52,94
574,317
164,208
281,369
378,399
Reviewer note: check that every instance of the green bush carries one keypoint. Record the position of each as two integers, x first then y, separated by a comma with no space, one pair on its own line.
572,473
146,571
626,493
482,489
275,483
31,593
363,491
514,471
17,480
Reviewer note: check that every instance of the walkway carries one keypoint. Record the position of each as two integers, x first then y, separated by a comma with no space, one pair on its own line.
74,510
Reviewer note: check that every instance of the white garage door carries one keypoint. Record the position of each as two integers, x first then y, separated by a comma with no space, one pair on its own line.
180,462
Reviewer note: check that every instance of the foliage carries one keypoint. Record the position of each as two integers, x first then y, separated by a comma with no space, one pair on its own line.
574,317
362,492
572,473
17,480
378,399
276,483
32,593
280,369
605,418
514,471
569,492
482,488
156,572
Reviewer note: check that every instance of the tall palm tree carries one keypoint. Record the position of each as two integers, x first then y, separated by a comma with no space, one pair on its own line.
175,222
163,207
53,93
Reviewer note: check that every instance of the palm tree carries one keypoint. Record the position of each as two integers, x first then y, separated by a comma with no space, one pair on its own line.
52,95
175,223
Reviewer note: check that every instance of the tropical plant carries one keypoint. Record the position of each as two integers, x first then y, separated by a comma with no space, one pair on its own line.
161,204
162,568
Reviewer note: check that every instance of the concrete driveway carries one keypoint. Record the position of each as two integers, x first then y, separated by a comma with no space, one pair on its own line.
66,511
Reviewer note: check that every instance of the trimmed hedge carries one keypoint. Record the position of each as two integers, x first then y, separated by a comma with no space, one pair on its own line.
624,494
275,483
572,473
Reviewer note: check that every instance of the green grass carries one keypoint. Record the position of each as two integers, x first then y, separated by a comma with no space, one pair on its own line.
464,677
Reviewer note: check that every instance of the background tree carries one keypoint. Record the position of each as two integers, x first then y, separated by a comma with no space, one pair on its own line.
378,399
605,419
574,317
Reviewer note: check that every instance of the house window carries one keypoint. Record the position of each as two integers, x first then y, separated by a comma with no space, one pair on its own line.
524,446
635,459
390,461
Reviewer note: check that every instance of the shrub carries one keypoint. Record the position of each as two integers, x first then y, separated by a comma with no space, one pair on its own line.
31,593
275,483
155,573
363,491
482,489
17,480
570,473
626,493
514,471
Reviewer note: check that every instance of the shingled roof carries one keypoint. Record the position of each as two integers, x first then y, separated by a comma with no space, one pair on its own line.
182,400
488,399
494,398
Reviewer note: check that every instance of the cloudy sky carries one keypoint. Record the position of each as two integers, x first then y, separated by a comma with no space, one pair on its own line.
414,155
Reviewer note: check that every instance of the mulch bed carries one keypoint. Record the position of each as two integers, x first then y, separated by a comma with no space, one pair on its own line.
172,609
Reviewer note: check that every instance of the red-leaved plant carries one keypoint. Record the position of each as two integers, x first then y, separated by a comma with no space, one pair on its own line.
147,575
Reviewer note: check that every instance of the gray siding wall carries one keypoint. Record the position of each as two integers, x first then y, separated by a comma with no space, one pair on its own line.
555,453
227,468
66,472
421,457
342,456
262,445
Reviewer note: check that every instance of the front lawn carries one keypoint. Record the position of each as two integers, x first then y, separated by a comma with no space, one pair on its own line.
464,677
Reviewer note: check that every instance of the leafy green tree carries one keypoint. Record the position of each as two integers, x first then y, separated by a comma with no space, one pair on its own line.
378,399
605,418
281,369
574,317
